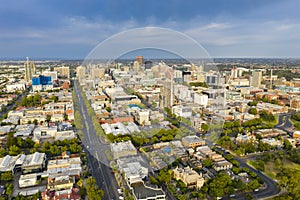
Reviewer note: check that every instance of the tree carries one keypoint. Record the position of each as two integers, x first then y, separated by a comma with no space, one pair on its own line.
204,127
80,182
252,103
2,152
11,140
93,192
75,148
207,163
37,99
153,180
264,115
287,145
6,176
9,188
54,150
254,184
253,111
13,150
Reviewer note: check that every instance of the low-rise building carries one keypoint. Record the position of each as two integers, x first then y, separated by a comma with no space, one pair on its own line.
66,166
27,180
190,177
222,165
122,149
133,171
143,192
61,182
271,141
143,117
192,141
7,163
32,163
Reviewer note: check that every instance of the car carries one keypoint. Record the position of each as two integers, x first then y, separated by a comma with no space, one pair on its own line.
256,190
112,172
119,191
232,195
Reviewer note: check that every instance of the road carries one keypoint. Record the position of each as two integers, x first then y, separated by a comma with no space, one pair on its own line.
95,147
284,123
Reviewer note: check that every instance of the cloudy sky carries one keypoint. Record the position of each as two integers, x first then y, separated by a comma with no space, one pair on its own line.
225,28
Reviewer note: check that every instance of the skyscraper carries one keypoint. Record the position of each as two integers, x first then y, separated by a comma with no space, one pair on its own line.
29,70
140,60
256,78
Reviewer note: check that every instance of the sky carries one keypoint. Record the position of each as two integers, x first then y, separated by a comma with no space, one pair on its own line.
70,29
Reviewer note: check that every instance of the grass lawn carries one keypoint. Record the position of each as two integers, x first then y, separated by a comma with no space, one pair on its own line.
296,124
273,123
273,167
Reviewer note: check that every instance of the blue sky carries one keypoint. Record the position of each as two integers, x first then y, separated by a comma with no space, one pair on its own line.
225,28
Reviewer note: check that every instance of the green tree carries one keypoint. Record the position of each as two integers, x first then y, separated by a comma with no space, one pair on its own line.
54,150
287,145
253,111
2,152
11,140
207,163
13,150
6,176
93,192
75,148
9,188
252,103
153,180
204,127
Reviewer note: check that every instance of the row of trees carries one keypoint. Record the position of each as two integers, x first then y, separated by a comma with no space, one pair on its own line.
161,135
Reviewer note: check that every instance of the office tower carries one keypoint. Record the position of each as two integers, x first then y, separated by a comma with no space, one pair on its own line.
166,98
80,72
42,83
234,73
63,71
140,60
256,78
211,79
97,73
29,70
148,64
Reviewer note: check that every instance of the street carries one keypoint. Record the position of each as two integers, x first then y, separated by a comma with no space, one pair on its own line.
95,147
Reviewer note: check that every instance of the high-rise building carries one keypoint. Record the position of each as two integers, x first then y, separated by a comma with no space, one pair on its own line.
42,83
148,64
136,66
166,98
29,70
53,74
256,78
80,73
234,73
211,79
140,60
63,71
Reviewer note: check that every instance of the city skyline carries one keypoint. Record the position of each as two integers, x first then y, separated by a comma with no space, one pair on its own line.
72,29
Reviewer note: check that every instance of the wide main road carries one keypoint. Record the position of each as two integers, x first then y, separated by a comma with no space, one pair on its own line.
96,147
